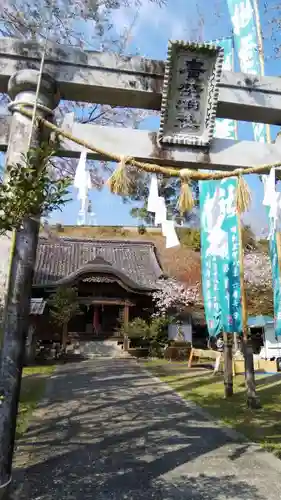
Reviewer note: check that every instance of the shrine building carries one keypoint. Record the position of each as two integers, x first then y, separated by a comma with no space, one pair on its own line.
114,279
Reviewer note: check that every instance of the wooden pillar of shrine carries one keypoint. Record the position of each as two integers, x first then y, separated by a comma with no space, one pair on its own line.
228,370
126,313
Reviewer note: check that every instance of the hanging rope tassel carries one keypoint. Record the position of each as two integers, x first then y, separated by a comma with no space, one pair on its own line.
243,195
186,201
22,107
119,182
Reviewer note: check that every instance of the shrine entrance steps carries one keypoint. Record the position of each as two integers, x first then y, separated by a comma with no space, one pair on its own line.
102,349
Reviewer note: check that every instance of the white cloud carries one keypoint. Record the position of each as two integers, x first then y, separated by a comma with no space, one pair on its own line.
178,29
150,16
175,21
122,18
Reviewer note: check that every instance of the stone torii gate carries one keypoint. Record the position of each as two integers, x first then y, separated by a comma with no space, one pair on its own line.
102,78
136,82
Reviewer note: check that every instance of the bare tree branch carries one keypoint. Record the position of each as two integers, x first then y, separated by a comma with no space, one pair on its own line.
82,23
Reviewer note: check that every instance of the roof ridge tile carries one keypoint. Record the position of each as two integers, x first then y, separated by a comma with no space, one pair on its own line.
138,260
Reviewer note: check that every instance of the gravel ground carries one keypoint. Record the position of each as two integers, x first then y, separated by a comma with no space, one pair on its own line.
109,430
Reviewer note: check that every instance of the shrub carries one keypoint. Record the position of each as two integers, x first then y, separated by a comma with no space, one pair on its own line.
190,238
137,328
141,229
248,238
158,336
153,335
159,327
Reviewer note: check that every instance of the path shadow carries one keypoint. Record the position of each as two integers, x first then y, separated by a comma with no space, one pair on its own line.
109,432
268,379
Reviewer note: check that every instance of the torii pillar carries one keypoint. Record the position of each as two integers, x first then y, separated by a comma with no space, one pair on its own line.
21,89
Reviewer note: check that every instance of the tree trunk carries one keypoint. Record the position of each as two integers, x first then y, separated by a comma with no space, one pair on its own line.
64,335
235,339
252,398
30,347
217,363
126,344
228,372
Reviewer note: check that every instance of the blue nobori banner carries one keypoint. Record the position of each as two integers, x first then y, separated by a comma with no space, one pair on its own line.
220,257
276,279
246,42
225,128
220,247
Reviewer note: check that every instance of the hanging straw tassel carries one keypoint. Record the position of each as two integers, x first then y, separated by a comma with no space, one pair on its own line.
119,182
243,195
185,202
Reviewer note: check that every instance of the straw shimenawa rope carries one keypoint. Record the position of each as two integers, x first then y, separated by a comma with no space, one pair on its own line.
119,181
148,167
243,195
186,201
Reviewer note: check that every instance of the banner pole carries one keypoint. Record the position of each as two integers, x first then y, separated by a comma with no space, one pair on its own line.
242,283
228,45
278,245
233,69
268,136
228,364
261,54
252,398
228,338
235,335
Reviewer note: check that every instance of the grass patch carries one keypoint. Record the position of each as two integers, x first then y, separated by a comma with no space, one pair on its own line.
32,390
261,426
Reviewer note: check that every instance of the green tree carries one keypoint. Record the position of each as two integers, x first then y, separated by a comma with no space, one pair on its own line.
169,188
158,336
63,306
28,191
189,238
248,238
135,329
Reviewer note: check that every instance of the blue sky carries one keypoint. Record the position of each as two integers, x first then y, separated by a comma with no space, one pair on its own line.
152,28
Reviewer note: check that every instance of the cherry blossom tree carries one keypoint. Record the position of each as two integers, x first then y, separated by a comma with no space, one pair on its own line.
73,22
86,24
173,296
257,270
258,283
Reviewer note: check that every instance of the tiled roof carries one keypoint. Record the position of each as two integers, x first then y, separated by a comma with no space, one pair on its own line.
56,260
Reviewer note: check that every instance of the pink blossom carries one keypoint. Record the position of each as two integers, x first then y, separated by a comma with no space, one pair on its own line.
257,270
173,295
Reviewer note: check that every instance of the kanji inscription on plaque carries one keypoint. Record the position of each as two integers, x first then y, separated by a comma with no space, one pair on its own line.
190,93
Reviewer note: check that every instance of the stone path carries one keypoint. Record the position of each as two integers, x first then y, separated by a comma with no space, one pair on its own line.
110,431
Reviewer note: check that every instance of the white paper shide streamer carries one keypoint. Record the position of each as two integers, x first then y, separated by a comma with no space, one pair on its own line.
168,230
161,211
272,199
152,202
82,181
156,204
